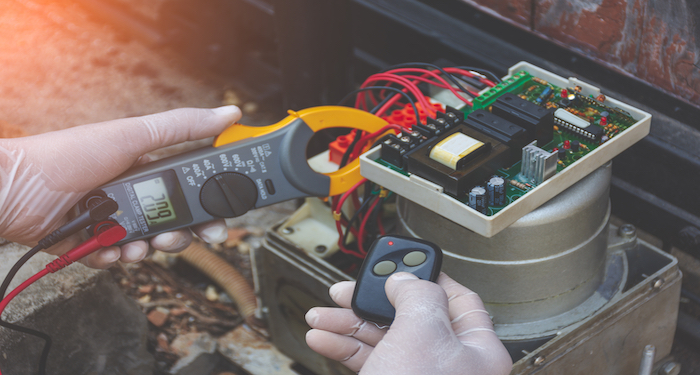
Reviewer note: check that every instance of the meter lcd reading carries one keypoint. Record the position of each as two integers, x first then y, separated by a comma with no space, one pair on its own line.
160,199
155,201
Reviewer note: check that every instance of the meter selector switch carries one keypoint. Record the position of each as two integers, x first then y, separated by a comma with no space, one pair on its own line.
386,256
228,194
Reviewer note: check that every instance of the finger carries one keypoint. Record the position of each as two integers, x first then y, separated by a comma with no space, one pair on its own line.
148,133
112,147
134,251
467,313
344,322
103,258
213,232
347,350
142,160
341,293
420,304
172,242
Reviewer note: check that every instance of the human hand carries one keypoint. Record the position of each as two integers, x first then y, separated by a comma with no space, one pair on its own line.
439,328
43,176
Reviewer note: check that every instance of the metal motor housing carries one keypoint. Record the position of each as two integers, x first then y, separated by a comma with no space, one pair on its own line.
545,264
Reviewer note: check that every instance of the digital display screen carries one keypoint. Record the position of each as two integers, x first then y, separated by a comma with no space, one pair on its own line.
155,201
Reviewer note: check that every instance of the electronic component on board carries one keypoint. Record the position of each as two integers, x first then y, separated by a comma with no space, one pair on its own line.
497,191
536,120
577,125
478,199
538,165
395,147
456,150
566,118
518,184
499,128
474,166
561,154
546,93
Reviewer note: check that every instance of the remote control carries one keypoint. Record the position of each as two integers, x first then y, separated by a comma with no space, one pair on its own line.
386,256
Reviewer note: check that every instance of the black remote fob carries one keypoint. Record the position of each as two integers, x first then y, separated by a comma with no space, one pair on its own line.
388,255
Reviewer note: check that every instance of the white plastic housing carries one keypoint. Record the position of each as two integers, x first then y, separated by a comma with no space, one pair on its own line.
431,196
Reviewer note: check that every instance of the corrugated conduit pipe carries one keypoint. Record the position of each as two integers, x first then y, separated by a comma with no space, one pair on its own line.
227,277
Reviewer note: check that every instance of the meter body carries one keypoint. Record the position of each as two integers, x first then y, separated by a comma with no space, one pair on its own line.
247,168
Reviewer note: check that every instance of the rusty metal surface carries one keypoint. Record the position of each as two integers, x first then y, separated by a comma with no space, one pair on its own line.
653,40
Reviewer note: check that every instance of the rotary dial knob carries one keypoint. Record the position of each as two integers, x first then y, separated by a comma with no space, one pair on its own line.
228,194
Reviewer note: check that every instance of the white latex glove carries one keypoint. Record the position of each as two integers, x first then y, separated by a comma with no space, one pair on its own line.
43,176
438,329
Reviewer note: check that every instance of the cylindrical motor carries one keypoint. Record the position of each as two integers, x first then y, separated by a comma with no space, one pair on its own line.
497,191
545,264
478,199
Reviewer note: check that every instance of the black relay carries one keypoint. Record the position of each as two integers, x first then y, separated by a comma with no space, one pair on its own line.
537,121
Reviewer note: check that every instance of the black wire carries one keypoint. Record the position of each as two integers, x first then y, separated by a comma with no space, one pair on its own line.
348,151
355,92
41,335
356,216
16,267
375,212
380,105
485,72
3,289
419,64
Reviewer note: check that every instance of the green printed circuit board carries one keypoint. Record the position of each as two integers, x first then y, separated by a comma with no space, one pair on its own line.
595,121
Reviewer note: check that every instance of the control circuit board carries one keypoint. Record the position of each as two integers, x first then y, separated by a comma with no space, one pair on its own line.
521,143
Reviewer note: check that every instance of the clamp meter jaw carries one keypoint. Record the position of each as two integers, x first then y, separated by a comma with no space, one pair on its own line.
247,168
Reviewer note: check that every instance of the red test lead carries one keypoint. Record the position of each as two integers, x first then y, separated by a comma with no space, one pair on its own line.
106,238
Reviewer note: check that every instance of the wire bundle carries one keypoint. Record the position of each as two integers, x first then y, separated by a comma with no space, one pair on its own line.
391,86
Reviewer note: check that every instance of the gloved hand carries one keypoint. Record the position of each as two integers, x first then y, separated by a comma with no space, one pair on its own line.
438,329
43,176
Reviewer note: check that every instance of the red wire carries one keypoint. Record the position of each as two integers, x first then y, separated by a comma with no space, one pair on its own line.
434,75
388,104
337,207
355,199
339,203
361,143
22,287
360,239
429,81
449,87
466,73
400,80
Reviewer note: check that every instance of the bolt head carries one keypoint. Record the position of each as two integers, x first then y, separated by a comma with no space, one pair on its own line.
287,230
627,231
320,249
538,360
658,283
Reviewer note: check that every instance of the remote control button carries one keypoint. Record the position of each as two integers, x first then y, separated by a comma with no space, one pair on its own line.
384,268
414,258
